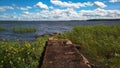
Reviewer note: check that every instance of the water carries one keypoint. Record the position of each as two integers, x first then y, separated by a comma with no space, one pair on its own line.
44,27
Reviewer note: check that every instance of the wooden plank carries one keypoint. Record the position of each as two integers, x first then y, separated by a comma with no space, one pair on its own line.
61,54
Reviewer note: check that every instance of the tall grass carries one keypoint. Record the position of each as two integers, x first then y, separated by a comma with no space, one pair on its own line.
98,42
24,30
2,28
21,55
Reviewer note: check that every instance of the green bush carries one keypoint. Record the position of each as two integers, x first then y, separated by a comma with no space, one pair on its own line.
21,55
97,41
24,30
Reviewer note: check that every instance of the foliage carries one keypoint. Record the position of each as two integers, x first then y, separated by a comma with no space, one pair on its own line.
24,30
98,41
21,54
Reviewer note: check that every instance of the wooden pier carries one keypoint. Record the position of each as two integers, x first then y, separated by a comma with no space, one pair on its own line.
63,54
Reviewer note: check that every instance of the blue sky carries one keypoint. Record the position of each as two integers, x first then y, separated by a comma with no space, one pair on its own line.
58,9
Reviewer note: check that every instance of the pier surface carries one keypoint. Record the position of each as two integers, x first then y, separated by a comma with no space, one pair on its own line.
63,54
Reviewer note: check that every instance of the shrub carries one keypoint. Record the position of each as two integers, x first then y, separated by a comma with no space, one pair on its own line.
21,55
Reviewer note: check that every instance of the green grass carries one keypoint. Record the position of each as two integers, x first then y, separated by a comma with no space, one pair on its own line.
24,30
2,28
97,42
21,55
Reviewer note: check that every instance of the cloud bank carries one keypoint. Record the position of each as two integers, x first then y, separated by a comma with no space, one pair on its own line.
114,1
4,8
66,11
70,4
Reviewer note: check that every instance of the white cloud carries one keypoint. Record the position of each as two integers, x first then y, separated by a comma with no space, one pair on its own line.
41,5
63,14
24,8
100,13
4,8
70,4
100,4
114,1
26,13
71,14
51,7
67,14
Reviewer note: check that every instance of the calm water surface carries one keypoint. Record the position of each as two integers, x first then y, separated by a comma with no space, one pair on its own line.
44,27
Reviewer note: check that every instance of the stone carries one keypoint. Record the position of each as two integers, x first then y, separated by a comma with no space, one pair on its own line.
67,42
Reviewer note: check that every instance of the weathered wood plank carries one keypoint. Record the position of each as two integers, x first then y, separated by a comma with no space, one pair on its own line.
63,54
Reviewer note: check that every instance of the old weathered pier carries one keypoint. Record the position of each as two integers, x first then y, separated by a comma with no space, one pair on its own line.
63,54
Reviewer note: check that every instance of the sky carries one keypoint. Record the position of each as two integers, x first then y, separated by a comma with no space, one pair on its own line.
59,9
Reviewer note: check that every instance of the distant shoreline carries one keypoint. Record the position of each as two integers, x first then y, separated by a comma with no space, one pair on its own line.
64,20
103,20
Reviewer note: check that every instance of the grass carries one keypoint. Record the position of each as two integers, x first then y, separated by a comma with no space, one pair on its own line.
24,30
20,29
99,42
2,28
21,55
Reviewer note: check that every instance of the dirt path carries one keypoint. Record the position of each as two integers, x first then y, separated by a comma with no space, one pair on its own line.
63,54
